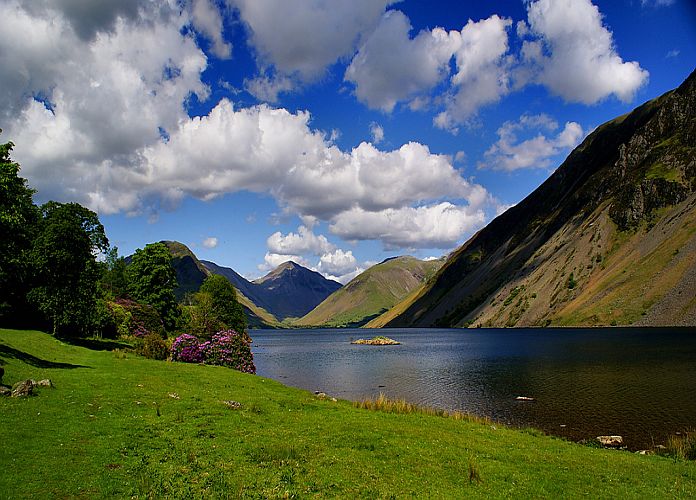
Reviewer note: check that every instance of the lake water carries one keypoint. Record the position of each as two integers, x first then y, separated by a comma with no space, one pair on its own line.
638,383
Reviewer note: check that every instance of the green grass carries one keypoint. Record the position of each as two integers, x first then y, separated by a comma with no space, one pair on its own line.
117,425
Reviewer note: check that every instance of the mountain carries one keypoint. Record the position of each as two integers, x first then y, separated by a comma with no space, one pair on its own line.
372,292
608,239
291,291
190,274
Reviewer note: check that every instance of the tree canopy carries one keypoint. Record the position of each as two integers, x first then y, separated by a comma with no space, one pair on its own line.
65,270
18,218
152,280
224,303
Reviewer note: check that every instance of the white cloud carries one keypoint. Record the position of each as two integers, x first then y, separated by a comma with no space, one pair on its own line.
208,21
337,263
575,56
482,71
267,88
302,242
377,132
108,98
303,38
433,226
656,3
110,128
210,242
273,260
391,67
509,154
672,53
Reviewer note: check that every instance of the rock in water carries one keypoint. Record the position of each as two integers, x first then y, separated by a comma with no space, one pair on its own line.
23,388
610,441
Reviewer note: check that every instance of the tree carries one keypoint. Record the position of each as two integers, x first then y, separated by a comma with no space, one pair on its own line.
114,281
64,265
152,280
223,299
18,218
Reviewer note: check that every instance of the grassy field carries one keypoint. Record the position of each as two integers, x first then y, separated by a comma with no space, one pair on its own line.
117,425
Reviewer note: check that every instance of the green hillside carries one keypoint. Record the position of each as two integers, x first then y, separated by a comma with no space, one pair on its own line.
608,239
119,426
372,292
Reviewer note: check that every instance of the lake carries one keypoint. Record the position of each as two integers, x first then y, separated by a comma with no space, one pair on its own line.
639,383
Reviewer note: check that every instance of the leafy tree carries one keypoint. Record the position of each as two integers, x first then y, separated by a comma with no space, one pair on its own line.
66,273
203,319
152,280
18,218
224,303
114,281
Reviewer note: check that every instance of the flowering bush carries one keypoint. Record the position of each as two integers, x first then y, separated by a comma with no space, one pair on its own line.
187,349
132,318
227,348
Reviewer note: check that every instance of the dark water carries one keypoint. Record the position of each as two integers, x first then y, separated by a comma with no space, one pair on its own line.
638,383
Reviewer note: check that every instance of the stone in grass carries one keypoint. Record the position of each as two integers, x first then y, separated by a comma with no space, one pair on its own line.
233,405
610,441
23,388
5,391
44,383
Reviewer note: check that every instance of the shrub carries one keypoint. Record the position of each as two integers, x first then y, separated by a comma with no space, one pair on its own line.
152,346
135,319
229,348
187,349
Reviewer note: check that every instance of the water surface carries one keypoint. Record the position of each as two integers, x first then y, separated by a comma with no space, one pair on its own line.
638,383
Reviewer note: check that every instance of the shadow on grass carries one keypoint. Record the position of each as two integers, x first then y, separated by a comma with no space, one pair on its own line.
96,344
10,352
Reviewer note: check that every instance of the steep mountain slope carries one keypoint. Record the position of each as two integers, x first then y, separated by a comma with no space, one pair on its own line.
609,238
291,291
371,293
190,274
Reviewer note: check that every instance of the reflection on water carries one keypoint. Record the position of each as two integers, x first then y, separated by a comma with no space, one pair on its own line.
638,383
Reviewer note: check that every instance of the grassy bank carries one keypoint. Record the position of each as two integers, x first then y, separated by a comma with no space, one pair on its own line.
121,426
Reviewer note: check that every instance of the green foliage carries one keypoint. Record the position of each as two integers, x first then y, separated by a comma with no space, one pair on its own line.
18,217
114,281
202,318
152,280
572,282
223,302
65,269
152,346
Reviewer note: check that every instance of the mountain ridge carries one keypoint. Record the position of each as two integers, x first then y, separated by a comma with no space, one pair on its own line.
626,178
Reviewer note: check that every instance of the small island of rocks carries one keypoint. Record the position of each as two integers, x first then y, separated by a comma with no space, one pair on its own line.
380,340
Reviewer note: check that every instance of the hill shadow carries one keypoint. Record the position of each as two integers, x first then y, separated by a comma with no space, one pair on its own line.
96,344
11,352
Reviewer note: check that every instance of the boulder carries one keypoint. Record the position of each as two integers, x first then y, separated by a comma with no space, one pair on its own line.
5,391
44,383
23,388
610,441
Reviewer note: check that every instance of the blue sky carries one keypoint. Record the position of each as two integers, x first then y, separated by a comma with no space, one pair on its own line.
333,133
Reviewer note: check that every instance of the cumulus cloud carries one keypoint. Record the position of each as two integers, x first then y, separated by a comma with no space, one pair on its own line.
573,53
510,154
104,122
377,132
482,75
273,260
210,242
391,67
430,226
302,38
268,88
208,21
302,242
337,263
